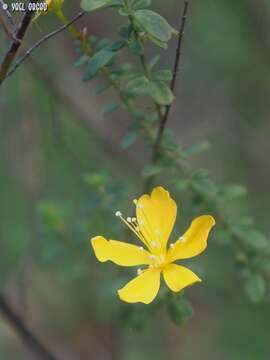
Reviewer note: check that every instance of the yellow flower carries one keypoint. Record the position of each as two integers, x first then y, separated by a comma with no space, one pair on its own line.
155,218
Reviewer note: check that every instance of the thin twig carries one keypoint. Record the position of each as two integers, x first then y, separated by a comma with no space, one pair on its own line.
42,41
28,337
6,29
164,120
15,45
9,16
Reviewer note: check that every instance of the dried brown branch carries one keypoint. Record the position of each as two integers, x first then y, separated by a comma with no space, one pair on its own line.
42,41
6,29
165,117
27,336
16,43
9,16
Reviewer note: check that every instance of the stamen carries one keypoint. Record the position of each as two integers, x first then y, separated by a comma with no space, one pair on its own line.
133,219
171,246
133,228
141,248
182,239
135,201
139,271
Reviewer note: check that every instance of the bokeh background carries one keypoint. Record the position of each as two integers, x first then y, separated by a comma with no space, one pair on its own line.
63,175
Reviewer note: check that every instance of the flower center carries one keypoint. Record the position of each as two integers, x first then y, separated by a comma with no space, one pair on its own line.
157,261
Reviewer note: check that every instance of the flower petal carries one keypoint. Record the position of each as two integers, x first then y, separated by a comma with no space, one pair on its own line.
143,288
178,277
194,240
156,216
120,253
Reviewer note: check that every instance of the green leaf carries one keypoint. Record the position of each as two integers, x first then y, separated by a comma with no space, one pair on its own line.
255,288
125,31
51,215
91,5
101,44
108,109
162,75
196,148
152,63
136,47
140,4
233,191
117,45
161,44
203,185
182,185
96,179
137,86
255,240
160,92
154,25
82,61
97,62
100,88
151,170
128,140
179,310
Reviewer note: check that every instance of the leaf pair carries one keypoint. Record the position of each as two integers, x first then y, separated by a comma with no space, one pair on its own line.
157,89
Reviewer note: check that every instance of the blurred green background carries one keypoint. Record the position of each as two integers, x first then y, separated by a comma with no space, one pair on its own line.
63,175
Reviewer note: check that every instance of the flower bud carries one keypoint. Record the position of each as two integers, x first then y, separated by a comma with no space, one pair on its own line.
54,5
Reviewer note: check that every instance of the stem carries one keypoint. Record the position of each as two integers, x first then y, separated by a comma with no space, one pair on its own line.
164,118
9,16
42,41
15,45
27,336
159,108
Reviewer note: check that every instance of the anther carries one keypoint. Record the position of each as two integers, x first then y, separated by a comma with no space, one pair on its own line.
133,219
171,245
182,239
129,219
139,271
118,213
141,248
154,244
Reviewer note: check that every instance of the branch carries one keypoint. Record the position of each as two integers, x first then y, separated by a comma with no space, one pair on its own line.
9,16
28,337
42,41
6,29
15,45
164,119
